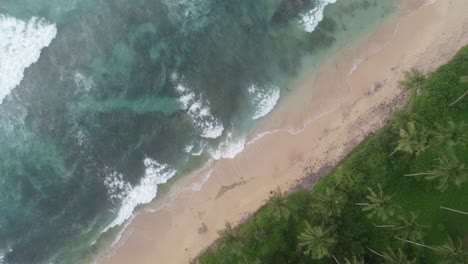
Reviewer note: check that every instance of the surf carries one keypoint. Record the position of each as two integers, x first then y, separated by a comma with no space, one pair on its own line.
20,47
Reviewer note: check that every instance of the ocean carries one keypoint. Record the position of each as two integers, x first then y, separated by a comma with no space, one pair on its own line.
103,102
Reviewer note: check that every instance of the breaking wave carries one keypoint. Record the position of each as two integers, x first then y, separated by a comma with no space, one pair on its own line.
264,99
200,113
20,47
229,148
311,19
143,193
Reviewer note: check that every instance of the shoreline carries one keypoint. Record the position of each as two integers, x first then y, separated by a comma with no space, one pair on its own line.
172,233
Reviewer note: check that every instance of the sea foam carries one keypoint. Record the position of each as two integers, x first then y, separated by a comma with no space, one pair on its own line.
200,113
229,148
264,99
20,47
311,19
83,83
155,174
200,148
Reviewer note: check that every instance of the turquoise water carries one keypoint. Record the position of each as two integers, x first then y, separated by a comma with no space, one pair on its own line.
102,101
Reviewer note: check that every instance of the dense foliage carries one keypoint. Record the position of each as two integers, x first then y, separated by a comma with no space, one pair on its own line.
382,204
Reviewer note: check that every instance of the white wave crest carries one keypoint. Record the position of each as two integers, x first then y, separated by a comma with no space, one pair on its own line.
200,113
229,148
143,193
20,47
311,19
264,99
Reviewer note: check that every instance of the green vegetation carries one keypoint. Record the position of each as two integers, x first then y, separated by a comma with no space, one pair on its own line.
366,210
413,82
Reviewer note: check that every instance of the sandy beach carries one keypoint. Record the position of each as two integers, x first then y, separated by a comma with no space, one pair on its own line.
309,132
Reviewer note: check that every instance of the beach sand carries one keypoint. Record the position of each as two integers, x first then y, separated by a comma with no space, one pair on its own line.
311,130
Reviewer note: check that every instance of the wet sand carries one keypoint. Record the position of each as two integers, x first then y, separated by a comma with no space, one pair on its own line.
311,130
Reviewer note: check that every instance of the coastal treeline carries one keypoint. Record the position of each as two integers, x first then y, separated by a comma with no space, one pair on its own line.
400,197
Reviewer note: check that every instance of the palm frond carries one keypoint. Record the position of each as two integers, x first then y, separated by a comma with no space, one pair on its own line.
413,81
379,205
328,203
316,241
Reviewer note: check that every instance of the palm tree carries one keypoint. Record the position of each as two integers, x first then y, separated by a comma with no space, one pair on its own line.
400,118
392,257
343,180
407,227
379,205
231,240
413,82
449,170
411,140
278,206
452,134
260,234
451,253
328,203
316,241
463,79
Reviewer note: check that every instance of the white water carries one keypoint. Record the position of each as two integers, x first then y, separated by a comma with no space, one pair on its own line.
83,83
200,113
3,252
229,148
264,99
311,19
117,187
20,47
188,148
143,193
201,148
